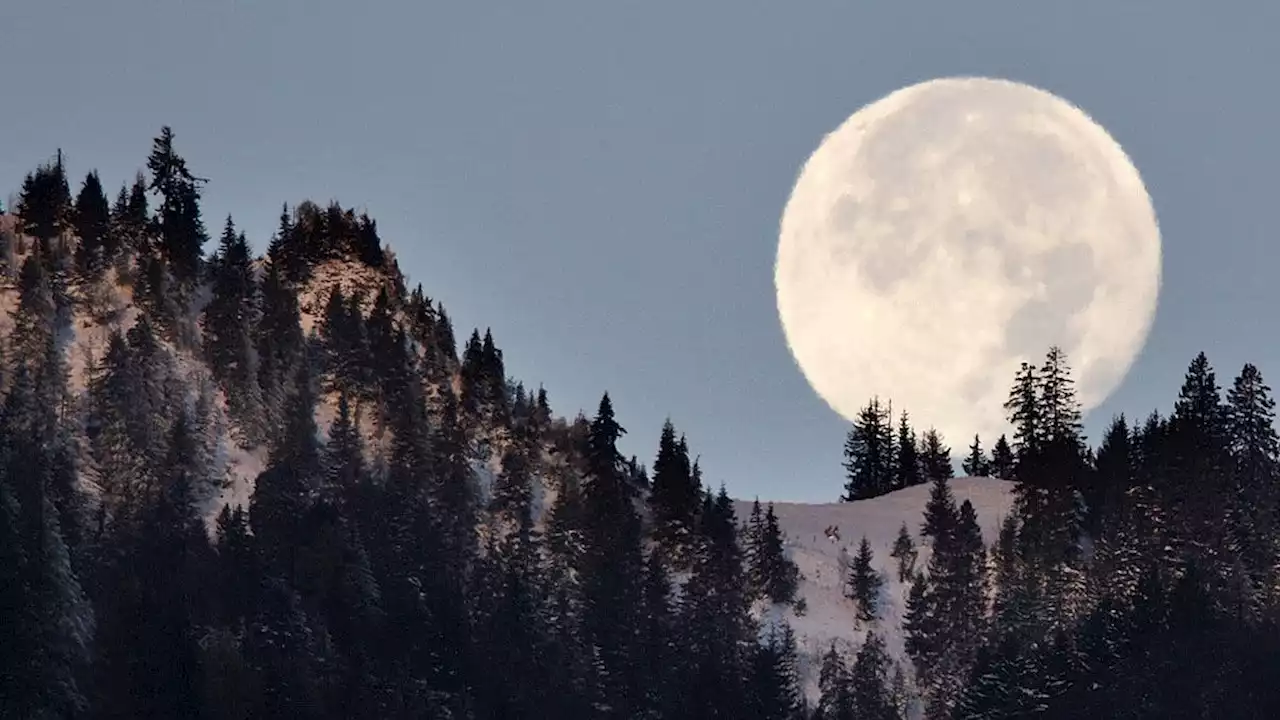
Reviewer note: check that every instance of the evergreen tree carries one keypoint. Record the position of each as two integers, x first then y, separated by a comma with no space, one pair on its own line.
1002,461
781,575
940,513
907,468
279,343
54,623
35,317
180,228
935,457
229,320
611,567
869,682
864,583
720,636
674,499
835,700
1024,411
775,685
868,454
44,205
904,552
92,220
976,464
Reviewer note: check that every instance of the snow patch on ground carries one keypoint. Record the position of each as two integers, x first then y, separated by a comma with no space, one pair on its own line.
823,563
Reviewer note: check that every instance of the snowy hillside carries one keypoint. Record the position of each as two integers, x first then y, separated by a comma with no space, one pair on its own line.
823,561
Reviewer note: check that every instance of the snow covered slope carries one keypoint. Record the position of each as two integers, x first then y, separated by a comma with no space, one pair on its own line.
823,561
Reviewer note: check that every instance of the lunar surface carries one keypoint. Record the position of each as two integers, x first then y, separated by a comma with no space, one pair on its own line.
952,230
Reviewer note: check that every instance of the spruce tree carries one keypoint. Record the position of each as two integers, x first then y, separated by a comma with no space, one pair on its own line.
935,457
1002,461
907,468
674,499
54,620
868,454
904,552
835,700
976,463
44,205
781,575
180,228
611,567
1024,411
940,512
92,221
864,583
228,325
869,682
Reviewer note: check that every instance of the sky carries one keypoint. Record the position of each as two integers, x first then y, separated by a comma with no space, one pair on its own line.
601,183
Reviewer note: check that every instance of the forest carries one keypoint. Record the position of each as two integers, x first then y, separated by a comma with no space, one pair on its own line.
426,539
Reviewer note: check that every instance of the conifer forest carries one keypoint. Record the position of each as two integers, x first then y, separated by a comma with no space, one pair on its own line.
237,487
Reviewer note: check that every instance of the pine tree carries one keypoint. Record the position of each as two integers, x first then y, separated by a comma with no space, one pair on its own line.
181,230
34,318
92,221
1002,461
753,553
1024,411
1113,474
976,464
54,621
935,457
715,614
674,499
1254,513
1059,420
775,689
907,468
904,552
781,575
229,319
835,700
940,512
611,566
869,682
868,453
279,344
44,205
864,583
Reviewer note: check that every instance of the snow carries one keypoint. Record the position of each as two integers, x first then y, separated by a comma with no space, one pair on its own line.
830,616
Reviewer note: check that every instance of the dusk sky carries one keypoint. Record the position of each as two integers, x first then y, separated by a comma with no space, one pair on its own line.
601,183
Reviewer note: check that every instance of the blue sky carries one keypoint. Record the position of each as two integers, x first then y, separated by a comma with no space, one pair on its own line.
601,183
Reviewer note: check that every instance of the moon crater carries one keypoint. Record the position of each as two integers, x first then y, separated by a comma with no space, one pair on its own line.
953,229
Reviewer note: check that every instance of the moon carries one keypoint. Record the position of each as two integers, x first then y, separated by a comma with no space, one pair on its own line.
950,231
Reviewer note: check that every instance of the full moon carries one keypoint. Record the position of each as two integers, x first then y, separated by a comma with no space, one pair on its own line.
952,230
